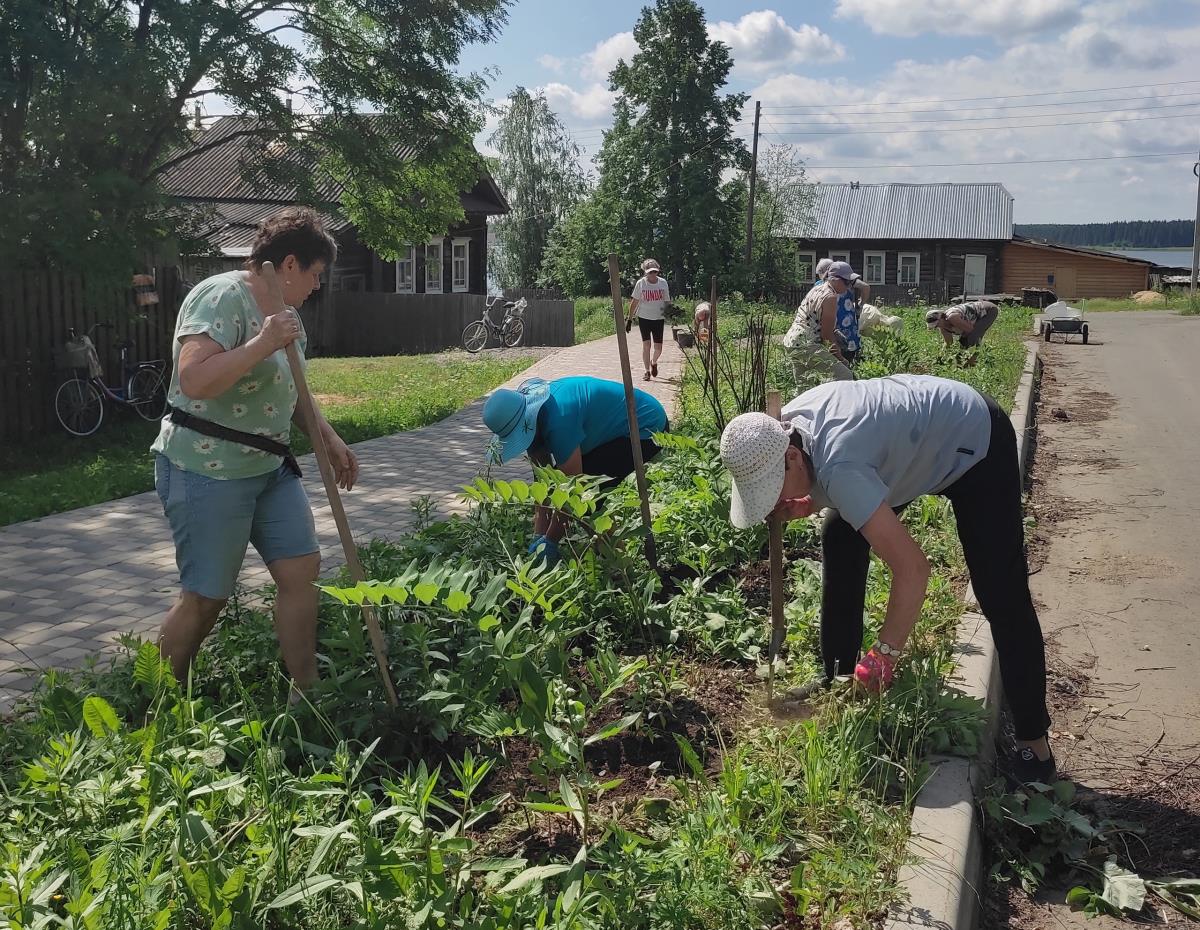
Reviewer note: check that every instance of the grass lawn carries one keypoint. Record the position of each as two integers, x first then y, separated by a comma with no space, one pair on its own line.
593,318
362,397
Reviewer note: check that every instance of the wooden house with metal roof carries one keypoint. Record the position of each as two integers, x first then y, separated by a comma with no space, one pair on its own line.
235,200
908,241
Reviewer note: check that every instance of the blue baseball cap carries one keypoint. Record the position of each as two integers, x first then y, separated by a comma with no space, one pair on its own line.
512,416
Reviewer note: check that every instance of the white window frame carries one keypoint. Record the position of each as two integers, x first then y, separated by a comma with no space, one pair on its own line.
867,256
900,257
465,285
840,257
435,286
411,262
811,258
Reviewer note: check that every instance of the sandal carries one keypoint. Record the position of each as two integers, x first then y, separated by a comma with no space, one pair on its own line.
646,376
654,369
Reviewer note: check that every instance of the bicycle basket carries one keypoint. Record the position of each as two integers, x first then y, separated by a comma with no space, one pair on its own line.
80,353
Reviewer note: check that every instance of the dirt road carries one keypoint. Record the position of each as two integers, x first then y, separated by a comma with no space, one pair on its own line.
1116,563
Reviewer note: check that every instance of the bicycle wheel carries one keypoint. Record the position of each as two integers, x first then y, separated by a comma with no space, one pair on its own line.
146,392
79,406
475,336
513,330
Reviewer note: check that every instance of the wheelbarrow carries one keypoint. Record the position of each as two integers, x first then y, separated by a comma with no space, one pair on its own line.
1065,320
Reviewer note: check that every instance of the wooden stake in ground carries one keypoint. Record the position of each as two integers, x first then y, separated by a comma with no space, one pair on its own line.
308,411
711,348
775,527
639,467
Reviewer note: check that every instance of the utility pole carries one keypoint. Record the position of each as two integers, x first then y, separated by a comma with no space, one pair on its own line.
1195,233
753,184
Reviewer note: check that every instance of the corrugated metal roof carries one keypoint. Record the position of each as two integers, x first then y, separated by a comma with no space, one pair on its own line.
234,144
906,211
1080,250
232,227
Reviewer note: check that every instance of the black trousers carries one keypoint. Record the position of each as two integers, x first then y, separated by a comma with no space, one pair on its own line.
615,459
987,510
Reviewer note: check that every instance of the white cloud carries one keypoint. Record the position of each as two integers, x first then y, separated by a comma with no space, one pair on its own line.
1000,19
1117,46
1080,191
592,103
551,63
763,39
604,57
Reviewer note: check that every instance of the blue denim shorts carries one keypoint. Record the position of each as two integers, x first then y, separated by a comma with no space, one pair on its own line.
213,519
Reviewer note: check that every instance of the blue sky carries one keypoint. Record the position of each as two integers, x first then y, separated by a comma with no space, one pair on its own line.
883,82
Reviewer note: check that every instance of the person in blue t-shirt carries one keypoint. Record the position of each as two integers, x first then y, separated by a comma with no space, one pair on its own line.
580,425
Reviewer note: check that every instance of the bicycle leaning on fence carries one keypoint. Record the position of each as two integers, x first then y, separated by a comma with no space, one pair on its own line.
478,333
79,401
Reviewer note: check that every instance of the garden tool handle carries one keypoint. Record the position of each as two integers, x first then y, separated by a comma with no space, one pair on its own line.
308,412
775,529
635,440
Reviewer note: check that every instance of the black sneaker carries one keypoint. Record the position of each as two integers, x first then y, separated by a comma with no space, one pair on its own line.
1024,767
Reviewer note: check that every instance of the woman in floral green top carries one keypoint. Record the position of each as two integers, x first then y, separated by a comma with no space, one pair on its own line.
231,389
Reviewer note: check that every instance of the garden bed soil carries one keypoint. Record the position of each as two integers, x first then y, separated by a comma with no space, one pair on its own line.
709,718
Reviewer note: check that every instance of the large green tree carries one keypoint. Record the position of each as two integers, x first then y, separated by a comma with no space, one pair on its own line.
94,96
538,169
783,214
664,164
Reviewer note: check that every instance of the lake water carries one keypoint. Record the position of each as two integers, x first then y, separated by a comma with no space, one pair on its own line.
1181,258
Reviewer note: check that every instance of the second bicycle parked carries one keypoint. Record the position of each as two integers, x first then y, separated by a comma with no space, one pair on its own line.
478,333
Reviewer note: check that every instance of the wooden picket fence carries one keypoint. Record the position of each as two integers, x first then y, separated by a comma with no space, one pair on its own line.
38,311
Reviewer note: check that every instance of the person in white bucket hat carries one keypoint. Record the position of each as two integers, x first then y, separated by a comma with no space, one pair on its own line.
867,449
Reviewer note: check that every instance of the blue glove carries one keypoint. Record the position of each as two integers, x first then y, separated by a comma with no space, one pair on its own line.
545,549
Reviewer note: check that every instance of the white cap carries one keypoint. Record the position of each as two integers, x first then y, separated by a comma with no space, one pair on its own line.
753,448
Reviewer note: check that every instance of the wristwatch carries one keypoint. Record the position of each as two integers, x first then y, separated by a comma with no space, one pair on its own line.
885,650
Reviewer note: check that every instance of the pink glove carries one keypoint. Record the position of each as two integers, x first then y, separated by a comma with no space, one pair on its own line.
794,508
875,671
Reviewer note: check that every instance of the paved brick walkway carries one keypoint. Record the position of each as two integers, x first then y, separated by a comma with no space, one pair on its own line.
71,583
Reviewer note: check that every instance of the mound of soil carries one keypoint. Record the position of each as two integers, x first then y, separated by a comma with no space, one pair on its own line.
1148,297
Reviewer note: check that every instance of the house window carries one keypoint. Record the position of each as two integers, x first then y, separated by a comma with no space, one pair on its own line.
406,271
908,271
806,264
460,265
840,257
433,266
874,267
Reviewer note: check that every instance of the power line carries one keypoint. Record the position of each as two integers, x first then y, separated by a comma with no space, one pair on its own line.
1019,106
1031,161
1046,93
976,119
891,132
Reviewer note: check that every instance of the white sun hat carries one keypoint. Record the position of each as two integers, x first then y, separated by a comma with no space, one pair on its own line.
753,448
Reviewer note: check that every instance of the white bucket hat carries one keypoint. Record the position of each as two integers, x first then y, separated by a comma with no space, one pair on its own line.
753,448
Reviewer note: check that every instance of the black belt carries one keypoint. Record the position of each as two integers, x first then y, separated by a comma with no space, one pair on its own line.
254,441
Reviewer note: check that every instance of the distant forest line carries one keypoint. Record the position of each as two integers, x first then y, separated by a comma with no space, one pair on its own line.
1126,234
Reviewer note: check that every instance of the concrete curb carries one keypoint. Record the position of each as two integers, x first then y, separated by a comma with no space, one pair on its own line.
945,850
